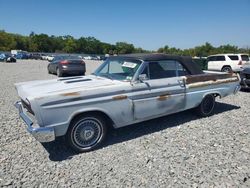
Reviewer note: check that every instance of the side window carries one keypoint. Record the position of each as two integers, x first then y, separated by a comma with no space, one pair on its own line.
212,58
233,57
165,69
220,58
181,71
244,57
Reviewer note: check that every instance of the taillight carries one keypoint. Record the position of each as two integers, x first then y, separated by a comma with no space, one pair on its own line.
82,62
64,62
240,62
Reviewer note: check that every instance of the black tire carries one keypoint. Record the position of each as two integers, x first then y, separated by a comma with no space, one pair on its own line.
92,126
206,107
58,72
226,69
48,70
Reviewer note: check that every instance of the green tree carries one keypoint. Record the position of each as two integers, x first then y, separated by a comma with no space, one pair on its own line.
124,48
7,41
70,44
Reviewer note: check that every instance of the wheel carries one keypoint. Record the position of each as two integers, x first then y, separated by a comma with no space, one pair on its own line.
206,106
48,70
226,69
58,72
86,133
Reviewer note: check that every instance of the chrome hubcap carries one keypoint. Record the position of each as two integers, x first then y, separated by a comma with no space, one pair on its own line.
87,132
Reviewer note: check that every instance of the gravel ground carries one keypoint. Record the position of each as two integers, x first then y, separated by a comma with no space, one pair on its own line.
179,150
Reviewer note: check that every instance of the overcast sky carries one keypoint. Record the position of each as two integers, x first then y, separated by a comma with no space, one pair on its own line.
149,24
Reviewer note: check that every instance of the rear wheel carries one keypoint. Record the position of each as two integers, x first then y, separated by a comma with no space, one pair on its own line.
206,107
48,70
226,69
58,72
86,132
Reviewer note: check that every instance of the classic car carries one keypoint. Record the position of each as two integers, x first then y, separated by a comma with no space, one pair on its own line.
124,90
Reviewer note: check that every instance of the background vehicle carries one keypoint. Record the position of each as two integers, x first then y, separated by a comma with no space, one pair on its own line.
44,56
22,55
228,62
62,65
36,56
7,58
50,58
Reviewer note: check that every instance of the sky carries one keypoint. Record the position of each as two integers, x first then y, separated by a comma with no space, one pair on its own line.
149,24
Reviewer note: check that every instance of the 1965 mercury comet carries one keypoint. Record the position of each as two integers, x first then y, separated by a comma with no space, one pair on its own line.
122,91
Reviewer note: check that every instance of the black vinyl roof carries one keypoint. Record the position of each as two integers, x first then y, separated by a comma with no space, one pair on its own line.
186,61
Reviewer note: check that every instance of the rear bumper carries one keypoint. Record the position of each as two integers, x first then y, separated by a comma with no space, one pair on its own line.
73,69
42,134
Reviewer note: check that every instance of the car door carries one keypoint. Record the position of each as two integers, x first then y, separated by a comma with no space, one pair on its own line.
162,93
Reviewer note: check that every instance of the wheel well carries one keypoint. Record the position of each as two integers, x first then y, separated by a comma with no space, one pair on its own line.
214,94
226,66
108,120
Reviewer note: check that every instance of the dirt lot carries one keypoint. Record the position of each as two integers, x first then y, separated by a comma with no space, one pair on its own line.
179,150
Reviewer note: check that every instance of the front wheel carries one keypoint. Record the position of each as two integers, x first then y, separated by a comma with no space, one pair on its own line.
206,106
86,132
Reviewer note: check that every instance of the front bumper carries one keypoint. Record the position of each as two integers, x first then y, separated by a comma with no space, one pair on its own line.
42,134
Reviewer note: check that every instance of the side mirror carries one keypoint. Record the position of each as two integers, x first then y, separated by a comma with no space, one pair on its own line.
143,77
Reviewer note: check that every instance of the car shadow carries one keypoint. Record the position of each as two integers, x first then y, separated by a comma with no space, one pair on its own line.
59,151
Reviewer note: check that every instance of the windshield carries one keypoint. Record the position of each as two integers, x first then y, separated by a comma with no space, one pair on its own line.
118,69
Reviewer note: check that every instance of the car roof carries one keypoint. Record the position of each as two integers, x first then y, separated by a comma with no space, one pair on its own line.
226,54
148,56
186,61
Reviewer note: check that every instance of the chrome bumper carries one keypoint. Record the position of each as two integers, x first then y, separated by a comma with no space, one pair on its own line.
42,134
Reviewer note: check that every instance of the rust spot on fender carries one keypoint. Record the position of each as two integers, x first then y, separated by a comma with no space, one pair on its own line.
71,94
163,97
120,97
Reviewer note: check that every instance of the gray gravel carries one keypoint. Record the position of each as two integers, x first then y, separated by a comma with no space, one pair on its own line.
179,150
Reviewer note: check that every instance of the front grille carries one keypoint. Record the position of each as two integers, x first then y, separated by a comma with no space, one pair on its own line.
27,107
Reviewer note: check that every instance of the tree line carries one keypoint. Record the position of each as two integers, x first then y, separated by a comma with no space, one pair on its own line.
90,45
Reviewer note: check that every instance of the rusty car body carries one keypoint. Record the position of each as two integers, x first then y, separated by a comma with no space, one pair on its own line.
124,90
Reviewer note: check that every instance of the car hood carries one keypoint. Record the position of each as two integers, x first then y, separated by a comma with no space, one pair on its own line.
63,86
